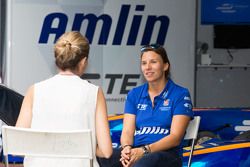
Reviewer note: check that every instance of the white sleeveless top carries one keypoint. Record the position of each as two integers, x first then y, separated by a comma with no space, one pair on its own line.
62,103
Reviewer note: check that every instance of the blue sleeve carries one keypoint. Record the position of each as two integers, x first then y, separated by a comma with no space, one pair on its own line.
130,104
184,105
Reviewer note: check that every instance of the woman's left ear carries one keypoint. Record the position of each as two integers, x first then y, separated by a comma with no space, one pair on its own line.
82,65
84,61
166,66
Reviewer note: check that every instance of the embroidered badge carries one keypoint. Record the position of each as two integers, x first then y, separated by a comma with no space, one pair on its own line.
166,102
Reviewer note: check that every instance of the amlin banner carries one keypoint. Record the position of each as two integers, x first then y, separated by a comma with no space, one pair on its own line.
116,29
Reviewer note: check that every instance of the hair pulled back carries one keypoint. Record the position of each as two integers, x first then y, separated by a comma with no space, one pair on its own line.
70,49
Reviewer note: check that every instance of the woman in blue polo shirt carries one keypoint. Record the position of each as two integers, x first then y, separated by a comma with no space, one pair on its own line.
156,115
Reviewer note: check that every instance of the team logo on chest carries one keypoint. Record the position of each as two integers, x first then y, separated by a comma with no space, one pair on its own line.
166,105
142,107
166,102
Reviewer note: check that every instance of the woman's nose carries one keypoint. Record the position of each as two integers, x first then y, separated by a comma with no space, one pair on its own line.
148,66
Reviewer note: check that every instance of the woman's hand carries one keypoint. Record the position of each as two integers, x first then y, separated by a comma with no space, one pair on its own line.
130,156
125,155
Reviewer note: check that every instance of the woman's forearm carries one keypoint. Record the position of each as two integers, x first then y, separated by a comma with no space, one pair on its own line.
127,139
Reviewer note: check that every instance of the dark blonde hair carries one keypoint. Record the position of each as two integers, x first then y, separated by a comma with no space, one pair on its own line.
70,49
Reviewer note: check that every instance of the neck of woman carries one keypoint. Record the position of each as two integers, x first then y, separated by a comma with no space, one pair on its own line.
154,89
157,87
66,72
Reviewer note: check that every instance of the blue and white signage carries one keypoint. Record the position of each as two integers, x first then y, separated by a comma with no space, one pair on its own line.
116,30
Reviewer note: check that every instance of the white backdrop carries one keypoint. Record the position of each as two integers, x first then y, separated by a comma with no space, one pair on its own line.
29,60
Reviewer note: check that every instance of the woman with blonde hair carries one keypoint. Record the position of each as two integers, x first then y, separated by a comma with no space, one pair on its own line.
66,102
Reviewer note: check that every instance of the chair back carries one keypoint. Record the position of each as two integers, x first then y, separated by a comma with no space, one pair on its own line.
193,128
30,142
191,134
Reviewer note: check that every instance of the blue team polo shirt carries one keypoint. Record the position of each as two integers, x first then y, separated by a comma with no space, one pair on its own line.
153,123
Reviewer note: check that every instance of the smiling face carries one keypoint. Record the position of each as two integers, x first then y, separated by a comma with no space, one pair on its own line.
153,67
